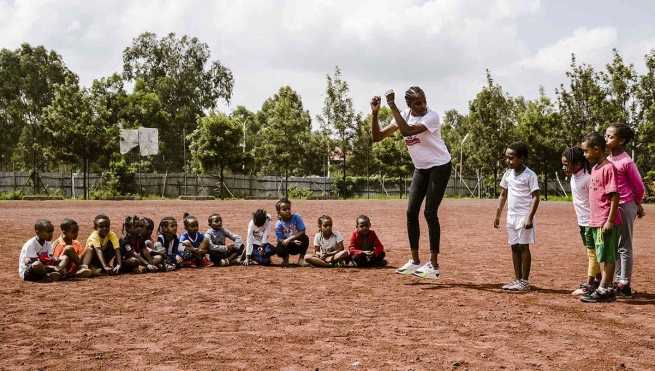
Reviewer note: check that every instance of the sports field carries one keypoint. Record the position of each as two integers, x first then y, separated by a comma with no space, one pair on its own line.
257,318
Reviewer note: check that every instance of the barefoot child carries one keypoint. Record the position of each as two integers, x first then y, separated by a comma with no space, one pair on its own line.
328,245
521,191
577,167
365,247
105,244
290,234
80,257
605,218
257,246
36,261
219,251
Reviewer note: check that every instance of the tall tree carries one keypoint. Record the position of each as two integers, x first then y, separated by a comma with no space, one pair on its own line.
78,131
287,128
179,72
582,105
27,82
250,127
216,143
362,152
645,93
339,115
492,128
538,124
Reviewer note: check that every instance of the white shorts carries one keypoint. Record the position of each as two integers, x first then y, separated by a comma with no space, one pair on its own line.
516,232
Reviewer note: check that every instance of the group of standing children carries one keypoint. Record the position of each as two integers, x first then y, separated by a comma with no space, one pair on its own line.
607,199
137,251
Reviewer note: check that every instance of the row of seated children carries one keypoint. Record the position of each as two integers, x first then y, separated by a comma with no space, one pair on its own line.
138,252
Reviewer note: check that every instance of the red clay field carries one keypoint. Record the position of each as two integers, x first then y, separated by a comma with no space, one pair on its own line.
256,318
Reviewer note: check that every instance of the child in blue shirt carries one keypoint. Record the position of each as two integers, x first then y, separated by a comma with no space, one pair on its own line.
290,234
195,246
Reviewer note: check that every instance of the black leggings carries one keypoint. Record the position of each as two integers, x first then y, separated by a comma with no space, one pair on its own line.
431,183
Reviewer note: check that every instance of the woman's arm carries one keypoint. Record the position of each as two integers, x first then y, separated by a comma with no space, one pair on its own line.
405,129
376,133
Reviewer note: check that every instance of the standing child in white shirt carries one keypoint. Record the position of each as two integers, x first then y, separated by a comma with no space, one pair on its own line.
521,190
578,168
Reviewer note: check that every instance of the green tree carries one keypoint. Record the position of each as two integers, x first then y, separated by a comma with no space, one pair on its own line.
538,125
27,82
74,125
339,115
216,143
177,70
287,128
582,105
492,127
248,121
391,155
361,157
645,148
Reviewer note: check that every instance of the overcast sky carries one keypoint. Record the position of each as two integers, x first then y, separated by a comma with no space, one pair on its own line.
442,46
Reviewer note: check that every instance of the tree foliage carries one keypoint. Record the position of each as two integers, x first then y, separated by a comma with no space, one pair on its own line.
178,71
216,144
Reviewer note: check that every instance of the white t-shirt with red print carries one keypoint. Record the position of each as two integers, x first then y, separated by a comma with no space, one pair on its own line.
427,149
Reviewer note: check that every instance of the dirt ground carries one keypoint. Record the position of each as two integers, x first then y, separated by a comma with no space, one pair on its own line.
272,318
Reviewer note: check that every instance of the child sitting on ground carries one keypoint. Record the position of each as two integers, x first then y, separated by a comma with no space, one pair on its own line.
196,247
328,245
365,247
168,242
257,246
136,258
290,234
155,249
81,259
36,261
219,252
105,245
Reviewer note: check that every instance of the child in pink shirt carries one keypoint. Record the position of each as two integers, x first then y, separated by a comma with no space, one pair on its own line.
631,192
605,219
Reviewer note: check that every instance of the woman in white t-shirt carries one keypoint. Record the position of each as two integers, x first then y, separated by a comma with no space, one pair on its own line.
329,246
421,130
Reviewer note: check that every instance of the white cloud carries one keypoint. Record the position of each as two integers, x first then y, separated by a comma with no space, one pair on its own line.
589,46
443,46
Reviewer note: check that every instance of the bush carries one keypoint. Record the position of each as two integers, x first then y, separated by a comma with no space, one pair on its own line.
299,193
10,196
118,180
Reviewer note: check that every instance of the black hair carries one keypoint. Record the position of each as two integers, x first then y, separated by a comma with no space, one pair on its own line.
364,218
212,217
520,148
164,224
623,131
187,218
283,200
259,217
575,155
595,139
412,94
99,217
67,224
41,225
321,219
130,221
148,223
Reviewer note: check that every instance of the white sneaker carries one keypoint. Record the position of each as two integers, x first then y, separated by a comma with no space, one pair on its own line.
521,285
427,271
408,268
511,284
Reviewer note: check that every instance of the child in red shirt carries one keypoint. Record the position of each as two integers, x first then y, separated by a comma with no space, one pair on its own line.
365,247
